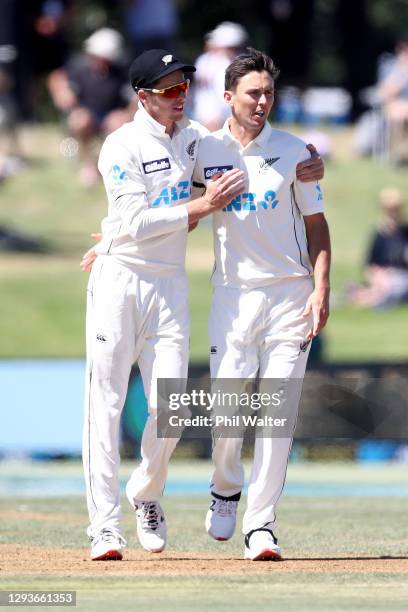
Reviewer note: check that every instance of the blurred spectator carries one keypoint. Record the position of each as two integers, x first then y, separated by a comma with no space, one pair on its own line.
222,45
393,93
11,161
32,42
8,110
387,263
151,24
14,51
92,92
51,19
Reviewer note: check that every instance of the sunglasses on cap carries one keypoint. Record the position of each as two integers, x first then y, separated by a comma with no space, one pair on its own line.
170,92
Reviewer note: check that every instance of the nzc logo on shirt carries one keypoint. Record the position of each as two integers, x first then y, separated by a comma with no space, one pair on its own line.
156,165
119,176
209,172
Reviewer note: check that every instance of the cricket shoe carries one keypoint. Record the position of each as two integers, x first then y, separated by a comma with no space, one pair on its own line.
151,526
261,545
221,517
107,545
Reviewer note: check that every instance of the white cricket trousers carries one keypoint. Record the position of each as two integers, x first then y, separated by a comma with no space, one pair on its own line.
131,317
258,332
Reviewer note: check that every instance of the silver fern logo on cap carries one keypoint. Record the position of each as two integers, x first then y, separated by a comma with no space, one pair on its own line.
167,59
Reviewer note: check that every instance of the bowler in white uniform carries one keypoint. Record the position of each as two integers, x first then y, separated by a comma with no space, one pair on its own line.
270,288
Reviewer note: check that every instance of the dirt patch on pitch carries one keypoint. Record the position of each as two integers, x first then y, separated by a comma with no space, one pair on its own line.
35,560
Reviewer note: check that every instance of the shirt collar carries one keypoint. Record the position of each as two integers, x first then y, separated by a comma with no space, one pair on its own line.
260,140
264,135
155,126
227,137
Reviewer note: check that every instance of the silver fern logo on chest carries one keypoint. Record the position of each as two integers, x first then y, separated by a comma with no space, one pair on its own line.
190,149
267,163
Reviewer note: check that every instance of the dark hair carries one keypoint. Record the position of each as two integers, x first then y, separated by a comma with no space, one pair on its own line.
251,61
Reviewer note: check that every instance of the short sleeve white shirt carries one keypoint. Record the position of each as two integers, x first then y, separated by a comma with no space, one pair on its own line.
260,236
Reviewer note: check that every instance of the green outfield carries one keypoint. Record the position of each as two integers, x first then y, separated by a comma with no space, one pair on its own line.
341,553
43,299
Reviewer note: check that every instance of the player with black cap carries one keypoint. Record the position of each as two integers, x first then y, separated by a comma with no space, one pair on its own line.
137,296
137,307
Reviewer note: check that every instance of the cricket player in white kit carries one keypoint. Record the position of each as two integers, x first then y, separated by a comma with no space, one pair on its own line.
137,296
268,242
137,299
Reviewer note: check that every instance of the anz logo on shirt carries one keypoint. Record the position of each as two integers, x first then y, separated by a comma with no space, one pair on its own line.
118,175
249,201
169,195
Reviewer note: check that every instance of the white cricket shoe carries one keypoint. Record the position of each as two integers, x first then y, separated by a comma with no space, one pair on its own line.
107,545
261,545
151,526
221,519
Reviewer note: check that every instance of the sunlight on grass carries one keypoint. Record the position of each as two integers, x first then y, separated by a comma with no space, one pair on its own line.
42,310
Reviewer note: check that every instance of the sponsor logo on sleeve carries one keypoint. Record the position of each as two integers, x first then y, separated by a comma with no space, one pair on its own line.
209,172
118,175
156,165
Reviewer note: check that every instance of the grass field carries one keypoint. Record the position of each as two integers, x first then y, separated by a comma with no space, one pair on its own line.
341,553
42,308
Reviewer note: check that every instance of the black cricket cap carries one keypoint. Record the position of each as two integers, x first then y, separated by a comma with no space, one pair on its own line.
154,64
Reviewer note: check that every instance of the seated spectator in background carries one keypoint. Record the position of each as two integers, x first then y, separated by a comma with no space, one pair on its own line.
92,91
387,263
393,93
222,45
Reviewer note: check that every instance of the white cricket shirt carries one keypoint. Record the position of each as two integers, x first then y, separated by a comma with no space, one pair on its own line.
260,235
147,176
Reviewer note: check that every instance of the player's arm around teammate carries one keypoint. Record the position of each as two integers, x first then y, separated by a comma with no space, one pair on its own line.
137,306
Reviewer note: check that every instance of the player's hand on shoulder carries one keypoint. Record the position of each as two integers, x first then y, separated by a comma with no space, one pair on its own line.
89,257
224,187
311,169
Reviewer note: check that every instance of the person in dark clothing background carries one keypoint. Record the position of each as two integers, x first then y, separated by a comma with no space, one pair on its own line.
386,270
93,94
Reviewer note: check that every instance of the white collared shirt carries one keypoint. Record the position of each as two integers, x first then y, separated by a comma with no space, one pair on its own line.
147,177
260,236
